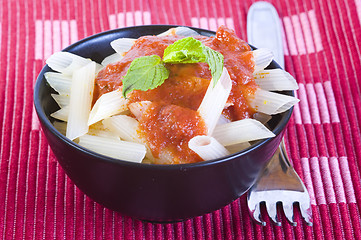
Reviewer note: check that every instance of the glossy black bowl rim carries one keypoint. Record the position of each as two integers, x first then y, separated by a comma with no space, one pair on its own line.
46,121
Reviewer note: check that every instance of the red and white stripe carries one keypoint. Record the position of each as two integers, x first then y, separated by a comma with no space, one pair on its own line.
303,37
127,19
328,180
212,23
358,8
317,104
53,36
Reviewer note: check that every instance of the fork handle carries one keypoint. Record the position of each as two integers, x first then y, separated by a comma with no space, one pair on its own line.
284,156
275,171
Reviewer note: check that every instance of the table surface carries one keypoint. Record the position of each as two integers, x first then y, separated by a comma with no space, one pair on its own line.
37,200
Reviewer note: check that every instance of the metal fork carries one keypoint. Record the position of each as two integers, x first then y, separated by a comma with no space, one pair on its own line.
279,184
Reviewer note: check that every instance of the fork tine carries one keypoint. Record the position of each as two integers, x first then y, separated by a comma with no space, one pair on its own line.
288,210
255,211
306,212
272,212
279,183
254,208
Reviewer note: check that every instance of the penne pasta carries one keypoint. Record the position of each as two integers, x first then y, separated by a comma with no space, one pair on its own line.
262,58
165,157
207,147
122,45
102,133
138,108
98,126
214,101
127,151
275,79
237,147
107,105
262,117
98,129
271,103
59,82
115,57
80,101
60,126
62,114
222,120
241,131
98,67
61,100
66,62
127,129
124,126
180,31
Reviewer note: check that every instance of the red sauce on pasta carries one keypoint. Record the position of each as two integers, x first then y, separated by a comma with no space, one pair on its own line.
168,129
172,120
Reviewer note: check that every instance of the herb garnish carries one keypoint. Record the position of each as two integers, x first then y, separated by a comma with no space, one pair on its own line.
149,72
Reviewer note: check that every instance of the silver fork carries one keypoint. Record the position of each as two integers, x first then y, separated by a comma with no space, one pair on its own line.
279,184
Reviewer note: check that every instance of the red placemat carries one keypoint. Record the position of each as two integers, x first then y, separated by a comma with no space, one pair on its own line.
322,48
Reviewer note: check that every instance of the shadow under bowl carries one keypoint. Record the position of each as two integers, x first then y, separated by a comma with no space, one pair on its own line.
158,193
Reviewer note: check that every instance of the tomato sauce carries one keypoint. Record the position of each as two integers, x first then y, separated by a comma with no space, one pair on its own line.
172,119
168,129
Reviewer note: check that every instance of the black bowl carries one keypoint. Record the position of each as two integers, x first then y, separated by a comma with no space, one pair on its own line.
160,193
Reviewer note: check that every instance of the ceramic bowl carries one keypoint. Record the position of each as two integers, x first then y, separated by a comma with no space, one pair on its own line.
160,193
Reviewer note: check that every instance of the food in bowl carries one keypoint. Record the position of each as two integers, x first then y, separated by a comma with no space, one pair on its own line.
152,192
177,97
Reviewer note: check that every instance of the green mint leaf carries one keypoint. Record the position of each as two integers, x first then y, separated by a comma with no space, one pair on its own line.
185,50
215,62
190,50
144,73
